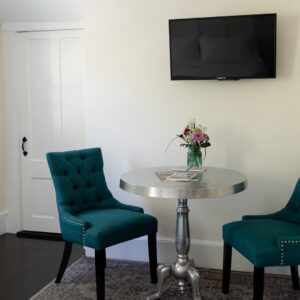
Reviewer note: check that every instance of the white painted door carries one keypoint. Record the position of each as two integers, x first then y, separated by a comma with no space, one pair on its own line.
51,93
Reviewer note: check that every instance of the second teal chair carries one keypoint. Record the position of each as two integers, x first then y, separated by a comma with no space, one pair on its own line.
265,240
90,216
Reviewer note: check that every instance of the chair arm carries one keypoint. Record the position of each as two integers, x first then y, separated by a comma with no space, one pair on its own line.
128,207
73,228
267,216
284,215
289,249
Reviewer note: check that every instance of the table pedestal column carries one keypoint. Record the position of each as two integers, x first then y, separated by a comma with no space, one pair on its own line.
183,269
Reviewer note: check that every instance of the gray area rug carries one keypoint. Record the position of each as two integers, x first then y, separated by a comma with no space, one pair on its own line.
131,281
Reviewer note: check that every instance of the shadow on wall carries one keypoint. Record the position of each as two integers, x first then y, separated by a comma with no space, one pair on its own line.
287,33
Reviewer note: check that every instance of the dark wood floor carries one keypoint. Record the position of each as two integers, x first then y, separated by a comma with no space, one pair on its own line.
27,265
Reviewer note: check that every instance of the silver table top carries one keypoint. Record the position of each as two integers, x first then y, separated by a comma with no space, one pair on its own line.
214,182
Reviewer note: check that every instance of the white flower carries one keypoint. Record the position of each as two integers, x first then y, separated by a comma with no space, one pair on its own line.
202,128
191,124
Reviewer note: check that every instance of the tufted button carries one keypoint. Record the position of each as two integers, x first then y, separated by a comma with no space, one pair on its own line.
94,170
99,199
72,203
75,187
89,185
78,171
65,173
84,201
82,157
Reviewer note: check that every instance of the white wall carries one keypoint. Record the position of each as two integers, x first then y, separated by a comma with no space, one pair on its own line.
1,123
134,110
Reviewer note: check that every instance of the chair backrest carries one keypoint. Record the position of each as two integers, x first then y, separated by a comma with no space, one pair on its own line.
79,180
291,212
294,202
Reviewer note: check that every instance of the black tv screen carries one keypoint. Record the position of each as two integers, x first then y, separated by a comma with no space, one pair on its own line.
231,47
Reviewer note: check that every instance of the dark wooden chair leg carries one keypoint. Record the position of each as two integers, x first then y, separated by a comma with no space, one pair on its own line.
258,283
295,277
152,257
100,264
227,254
64,261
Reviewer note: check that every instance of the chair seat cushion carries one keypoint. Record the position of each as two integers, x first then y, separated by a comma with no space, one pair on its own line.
257,240
112,226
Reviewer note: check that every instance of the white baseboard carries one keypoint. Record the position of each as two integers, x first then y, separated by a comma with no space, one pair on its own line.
3,222
206,254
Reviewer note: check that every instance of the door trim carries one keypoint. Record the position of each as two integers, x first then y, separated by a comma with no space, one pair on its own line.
41,26
3,215
12,138
12,166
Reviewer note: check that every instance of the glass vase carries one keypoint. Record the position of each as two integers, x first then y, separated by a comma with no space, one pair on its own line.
194,158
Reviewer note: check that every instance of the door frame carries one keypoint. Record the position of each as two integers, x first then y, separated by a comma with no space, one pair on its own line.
11,103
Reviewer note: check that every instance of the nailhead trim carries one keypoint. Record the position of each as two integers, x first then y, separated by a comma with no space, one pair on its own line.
282,252
282,244
75,223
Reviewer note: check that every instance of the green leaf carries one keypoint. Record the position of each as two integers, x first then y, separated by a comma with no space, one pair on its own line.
184,145
205,144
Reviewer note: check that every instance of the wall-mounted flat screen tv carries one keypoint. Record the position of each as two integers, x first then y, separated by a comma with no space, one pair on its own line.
231,47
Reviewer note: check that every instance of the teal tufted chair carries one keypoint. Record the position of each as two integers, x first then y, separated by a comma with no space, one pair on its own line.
265,240
90,216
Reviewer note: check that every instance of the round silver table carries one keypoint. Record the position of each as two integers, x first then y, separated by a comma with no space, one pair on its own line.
214,182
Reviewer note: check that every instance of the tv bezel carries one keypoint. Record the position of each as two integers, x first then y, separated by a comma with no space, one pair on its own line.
223,77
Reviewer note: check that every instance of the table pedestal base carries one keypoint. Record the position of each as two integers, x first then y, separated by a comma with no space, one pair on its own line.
183,269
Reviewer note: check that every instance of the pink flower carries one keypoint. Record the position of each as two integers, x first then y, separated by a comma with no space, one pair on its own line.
186,131
206,137
198,137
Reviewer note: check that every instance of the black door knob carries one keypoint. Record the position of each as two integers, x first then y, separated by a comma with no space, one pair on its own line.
24,140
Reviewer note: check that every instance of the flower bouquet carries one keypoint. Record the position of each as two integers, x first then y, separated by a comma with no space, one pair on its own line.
195,139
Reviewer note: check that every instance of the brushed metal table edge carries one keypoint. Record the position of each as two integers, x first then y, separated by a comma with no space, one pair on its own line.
175,192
